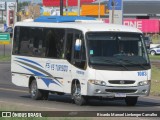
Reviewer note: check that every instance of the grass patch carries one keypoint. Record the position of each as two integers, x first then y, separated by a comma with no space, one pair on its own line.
155,82
155,57
156,39
5,58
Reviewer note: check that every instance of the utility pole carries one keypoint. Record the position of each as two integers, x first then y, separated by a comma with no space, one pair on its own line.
99,9
61,7
32,10
79,5
113,7
66,7
2,16
17,10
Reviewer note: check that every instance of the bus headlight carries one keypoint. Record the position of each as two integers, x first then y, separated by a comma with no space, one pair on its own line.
97,82
142,83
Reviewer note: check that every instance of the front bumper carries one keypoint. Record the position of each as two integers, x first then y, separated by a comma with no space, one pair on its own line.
112,91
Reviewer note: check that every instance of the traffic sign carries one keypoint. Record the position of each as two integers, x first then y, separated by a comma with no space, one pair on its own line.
2,6
4,38
118,4
115,11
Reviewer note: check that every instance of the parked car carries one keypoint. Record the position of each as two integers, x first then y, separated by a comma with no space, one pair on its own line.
155,50
9,30
147,41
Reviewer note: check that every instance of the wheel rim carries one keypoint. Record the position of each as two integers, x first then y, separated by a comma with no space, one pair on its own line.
152,53
77,94
33,89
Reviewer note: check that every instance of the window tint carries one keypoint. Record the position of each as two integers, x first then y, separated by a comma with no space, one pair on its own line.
75,51
39,42
16,40
68,50
54,43
35,42
30,43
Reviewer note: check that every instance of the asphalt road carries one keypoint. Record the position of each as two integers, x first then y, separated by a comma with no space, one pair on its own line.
13,95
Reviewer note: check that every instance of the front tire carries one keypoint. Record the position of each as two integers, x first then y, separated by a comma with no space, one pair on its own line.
131,101
76,95
37,94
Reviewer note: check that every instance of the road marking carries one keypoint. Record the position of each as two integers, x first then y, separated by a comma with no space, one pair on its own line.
6,89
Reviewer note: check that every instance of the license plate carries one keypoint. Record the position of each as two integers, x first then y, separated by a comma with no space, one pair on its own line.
120,95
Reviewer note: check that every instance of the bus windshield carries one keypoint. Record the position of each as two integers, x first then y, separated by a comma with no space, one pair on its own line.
115,48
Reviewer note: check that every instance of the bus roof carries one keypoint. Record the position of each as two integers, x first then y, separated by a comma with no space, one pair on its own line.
58,19
80,24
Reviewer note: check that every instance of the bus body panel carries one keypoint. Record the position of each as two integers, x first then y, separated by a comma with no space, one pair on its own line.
81,75
120,76
47,72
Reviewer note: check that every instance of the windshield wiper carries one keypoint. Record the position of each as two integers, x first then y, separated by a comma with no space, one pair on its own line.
116,62
133,63
111,61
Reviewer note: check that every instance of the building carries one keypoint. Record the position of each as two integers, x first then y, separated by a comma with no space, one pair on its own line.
143,9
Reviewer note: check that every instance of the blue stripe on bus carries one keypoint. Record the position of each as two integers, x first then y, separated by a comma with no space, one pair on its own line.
47,81
30,61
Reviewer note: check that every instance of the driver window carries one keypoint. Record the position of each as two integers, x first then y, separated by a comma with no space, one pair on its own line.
79,56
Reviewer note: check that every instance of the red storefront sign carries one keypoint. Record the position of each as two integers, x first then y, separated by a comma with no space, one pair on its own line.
70,2
145,25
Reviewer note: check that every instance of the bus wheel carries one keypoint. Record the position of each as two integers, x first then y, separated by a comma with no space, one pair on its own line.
36,94
131,101
76,95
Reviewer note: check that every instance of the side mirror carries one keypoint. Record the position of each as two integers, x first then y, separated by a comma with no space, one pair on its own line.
78,44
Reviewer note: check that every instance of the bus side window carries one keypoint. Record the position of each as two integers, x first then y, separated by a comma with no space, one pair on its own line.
54,43
50,44
68,50
24,41
16,40
36,43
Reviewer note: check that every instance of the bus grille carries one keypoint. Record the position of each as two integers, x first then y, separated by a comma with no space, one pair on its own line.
121,90
121,81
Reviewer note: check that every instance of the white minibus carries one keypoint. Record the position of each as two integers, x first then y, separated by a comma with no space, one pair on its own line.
80,56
